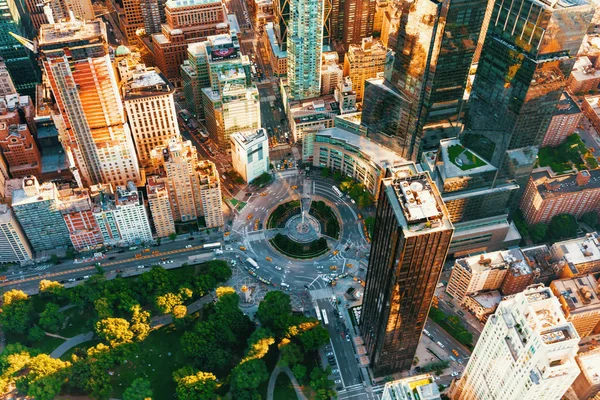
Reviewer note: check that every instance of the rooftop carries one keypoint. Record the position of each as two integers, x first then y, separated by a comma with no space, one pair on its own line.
549,187
577,294
188,3
578,251
592,101
589,364
155,185
422,387
319,109
566,105
584,70
460,161
145,83
44,192
488,299
250,138
68,31
273,41
378,154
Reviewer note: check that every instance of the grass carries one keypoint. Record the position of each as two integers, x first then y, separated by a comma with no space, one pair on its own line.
297,250
153,363
456,150
563,157
284,389
76,322
47,345
270,359
238,205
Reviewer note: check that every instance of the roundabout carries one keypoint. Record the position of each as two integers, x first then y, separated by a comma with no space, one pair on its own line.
303,228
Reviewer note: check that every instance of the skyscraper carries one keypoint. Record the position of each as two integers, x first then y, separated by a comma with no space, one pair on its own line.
304,48
410,242
92,120
358,18
363,62
526,351
434,49
13,243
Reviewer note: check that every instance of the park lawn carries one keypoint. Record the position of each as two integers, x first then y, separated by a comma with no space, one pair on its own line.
284,390
47,345
456,150
152,362
270,359
84,346
77,322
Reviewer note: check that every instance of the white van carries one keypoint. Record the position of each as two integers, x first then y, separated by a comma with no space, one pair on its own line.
426,332
439,344
283,284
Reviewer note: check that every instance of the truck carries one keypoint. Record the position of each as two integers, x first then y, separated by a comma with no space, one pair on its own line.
252,262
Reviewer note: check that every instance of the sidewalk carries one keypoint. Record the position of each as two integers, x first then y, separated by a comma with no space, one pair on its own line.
273,379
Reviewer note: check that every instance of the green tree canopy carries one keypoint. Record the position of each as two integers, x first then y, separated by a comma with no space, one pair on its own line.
291,354
249,375
201,385
274,312
17,312
219,270
563,226
140,389
538,232
51,319
590,218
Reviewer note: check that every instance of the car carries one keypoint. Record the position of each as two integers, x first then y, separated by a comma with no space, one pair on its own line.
455,352
191,238
63,281
335,371
86,277
338,381
278,268
140,267
337,330
459,312
352,201
170,261
119,271
71,280
79,278
189,246
440,344
329,354
348,338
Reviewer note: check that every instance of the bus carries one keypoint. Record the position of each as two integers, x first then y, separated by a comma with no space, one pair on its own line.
337,191
211,245
318,313
325,320
252,262
203,136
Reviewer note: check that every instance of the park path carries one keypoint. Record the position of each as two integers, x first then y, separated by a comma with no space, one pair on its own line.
70,343
273,379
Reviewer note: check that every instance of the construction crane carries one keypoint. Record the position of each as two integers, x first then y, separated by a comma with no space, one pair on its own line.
32,46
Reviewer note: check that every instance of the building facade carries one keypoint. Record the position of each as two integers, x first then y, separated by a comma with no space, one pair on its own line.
14,246
478,273
536,346
564,121
410,242
364,61
77,211
331,72
210,193
250,154
577,257
584,76
587,384
131,20
591,109
358,17
6,83
579,300
160,206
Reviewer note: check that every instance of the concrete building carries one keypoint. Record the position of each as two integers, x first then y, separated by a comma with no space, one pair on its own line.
486,234
37,207
353,155
187,21
6,83
408,251
419,387
479,273
82,9
91,123
250,153
277,56
358,17
18,146
587,383
364,61
591,109
195,76
483,304
160,206
546,196
564,121
380,7
148,100
584,76
304,48
577,257
331,72
345,96
311,115
210,193
131,20
532,341
579,300
14,246
76,208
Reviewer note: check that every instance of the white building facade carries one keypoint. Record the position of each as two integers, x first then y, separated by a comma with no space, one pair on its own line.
13,242
250,153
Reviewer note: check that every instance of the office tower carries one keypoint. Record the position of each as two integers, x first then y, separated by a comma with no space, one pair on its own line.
250,153
346,96
19,62
174,163
281,12
526,351
131,20
358,18
231,103
77,210
13,242
410,242
564,121
380,8
210,193
546,197
160,206
153,14
121,214
587,383
577,257
422,387
364,62
390,25
16,139
304,48
6,84
187,21
148,100
93,129
526,59
331,72
579,301
195,76
37,208
430,73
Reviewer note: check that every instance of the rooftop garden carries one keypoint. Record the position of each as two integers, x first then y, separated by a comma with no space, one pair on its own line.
567,156
463,158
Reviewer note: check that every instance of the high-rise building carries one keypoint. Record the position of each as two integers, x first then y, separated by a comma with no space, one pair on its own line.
148,100
584,76
564,121
17,143
304,48
364,62
210,193
380,8
37,208
153,14
345,95
521,76
410,243
36,13
526,351
13,242
250,153
591,108
587,384
6,84
431,72
357,21
479,273
92,122
195,76
577,257
231,103
160,206
416,387
331,72
131,20
579,300
175,163
187,21
77,210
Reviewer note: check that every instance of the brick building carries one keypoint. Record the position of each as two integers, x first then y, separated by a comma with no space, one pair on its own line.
584,76
563,122
579,300
77,210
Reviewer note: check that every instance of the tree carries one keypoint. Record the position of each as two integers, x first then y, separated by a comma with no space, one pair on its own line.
54,259
224,290
538,232
203,284
291,354
140,323
320,383
44,377
201,385
173,236
166,302
179,311
563,226
114,331
52,290
17,312
274,312
103,308
157,281
590,218
299,372
365,200
139,390
325,172
35,334
51,319
311,339
13,296
219,270
248,375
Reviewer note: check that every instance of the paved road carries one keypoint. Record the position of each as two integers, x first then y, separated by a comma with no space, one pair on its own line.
437,334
